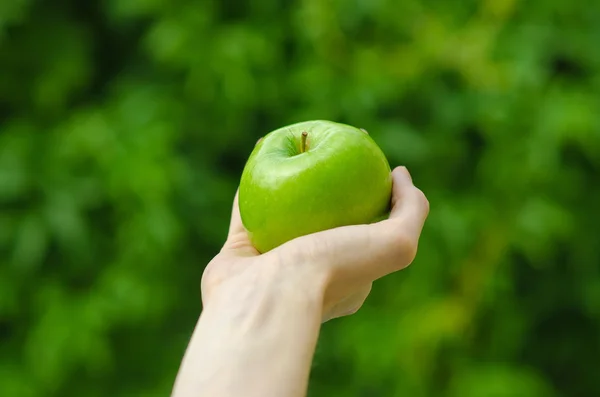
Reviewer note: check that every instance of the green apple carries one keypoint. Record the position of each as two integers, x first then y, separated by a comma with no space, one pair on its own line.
309,177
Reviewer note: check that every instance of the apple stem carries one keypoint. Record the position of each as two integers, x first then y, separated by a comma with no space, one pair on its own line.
303,144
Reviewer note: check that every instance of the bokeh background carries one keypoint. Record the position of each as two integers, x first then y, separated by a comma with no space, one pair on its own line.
125,125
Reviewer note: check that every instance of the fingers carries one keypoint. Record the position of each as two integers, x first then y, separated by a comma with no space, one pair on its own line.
410,207
396,239
235,225
367,252
238,241
348,305
237,237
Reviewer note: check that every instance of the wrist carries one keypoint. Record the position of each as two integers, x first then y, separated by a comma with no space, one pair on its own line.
263,320
265,325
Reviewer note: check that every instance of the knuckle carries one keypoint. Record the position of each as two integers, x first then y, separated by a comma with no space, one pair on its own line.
352,311
423,200
411,254
211,276
405,250
402,242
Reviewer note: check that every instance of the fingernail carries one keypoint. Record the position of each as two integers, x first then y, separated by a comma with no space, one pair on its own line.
365,131
259,139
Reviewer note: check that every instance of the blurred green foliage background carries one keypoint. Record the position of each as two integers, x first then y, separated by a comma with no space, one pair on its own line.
124,127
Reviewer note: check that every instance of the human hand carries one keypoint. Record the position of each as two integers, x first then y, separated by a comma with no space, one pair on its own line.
261,317
334,268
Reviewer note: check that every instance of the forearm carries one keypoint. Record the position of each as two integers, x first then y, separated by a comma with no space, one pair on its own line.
258,342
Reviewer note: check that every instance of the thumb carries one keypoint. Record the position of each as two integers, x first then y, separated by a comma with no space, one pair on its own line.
349,305
367,252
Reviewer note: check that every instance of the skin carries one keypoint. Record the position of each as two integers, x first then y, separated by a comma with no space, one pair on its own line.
262,313
309,177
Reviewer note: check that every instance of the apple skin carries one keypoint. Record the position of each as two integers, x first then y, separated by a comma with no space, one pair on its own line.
342,178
